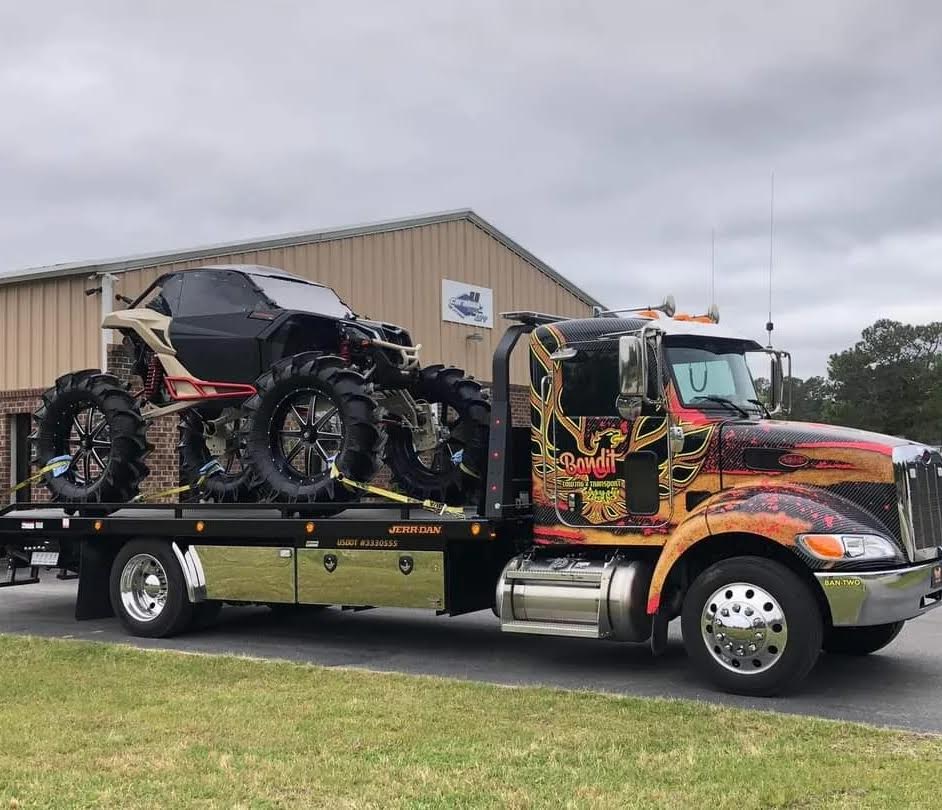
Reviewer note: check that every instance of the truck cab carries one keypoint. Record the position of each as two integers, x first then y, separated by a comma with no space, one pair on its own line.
664,486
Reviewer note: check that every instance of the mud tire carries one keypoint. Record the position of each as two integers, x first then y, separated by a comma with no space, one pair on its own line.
360,448
125,468
194,454
449,387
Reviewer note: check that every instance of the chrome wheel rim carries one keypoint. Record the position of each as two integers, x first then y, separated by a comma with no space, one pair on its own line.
144,588
744,628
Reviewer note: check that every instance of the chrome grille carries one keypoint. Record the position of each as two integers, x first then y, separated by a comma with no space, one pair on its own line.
919,482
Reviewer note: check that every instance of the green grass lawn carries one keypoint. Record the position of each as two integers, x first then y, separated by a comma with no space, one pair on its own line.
97,725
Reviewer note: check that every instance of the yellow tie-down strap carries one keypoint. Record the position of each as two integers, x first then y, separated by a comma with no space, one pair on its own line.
398,497
210,468
56,466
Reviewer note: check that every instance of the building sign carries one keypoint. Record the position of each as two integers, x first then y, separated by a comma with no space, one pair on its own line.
467,304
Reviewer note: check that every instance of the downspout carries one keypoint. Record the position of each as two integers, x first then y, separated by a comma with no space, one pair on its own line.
107,307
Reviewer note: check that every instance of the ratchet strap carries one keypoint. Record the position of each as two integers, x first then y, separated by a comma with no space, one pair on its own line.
57,466
458,460
210,468
398,497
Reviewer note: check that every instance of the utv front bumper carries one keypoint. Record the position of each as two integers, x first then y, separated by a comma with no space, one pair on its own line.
881,597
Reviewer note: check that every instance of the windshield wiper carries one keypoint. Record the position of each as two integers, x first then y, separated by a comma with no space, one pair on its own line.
761,404
725,401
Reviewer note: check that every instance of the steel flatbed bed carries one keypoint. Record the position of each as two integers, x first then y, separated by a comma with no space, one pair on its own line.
246,522
367,554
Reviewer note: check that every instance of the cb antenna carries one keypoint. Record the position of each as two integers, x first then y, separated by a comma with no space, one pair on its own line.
713,267
769,326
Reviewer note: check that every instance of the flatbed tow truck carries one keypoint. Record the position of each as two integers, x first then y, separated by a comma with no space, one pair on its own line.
651,484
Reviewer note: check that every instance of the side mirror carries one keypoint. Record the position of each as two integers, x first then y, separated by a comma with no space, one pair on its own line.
632,376
777,385
632,367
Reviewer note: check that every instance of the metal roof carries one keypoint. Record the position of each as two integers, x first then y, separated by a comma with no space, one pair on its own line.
120,265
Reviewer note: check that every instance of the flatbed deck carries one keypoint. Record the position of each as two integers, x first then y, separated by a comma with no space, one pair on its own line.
240,550
256,523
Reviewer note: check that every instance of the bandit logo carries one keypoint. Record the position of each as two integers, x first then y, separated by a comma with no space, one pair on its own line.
406,564
600,466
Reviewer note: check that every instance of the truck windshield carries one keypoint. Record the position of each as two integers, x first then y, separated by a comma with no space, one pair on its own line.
289,294
713,375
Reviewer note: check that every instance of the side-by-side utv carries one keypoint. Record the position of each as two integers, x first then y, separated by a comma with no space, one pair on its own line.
277,380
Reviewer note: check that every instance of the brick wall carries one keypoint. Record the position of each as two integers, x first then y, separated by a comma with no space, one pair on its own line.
520,405
11,404
162,433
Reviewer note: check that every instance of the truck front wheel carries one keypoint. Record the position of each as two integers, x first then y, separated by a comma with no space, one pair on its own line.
860,640
752,626
148,592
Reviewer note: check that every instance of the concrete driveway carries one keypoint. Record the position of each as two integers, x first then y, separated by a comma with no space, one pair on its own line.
899,686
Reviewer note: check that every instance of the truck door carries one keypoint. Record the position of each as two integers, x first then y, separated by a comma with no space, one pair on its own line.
606,470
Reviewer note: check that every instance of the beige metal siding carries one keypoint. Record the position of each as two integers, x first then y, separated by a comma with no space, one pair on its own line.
47,328
50,326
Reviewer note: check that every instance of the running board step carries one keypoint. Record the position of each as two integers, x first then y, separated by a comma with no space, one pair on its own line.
551,629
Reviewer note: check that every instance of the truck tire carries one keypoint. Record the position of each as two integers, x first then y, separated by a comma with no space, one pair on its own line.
229,486
860,640
148,592
310,411
93,418
453,471
752,626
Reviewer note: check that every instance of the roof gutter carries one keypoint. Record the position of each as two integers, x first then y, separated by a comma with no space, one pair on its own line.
145,260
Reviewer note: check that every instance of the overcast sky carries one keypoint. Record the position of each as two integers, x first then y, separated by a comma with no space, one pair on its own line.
608,138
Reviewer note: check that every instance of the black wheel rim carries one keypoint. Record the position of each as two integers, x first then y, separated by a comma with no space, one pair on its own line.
307,434
87,438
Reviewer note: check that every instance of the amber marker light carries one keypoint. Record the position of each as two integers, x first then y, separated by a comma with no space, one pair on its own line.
200,525
309,527
475,529
825,546
850,547
98,525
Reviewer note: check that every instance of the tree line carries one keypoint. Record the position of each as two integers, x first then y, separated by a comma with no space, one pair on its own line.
890,382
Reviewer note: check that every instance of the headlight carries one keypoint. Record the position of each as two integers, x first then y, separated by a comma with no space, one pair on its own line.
860,547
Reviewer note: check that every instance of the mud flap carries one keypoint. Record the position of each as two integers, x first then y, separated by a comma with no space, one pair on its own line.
659,624
94,600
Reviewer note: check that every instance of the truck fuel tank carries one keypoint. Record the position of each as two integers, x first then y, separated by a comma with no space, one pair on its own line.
575,596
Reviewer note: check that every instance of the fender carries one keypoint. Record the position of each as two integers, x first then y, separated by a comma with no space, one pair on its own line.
776,513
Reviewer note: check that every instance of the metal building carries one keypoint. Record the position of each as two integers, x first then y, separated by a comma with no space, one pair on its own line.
422,273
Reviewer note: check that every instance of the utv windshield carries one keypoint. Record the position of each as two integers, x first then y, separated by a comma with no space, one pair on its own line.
712,375
289,294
